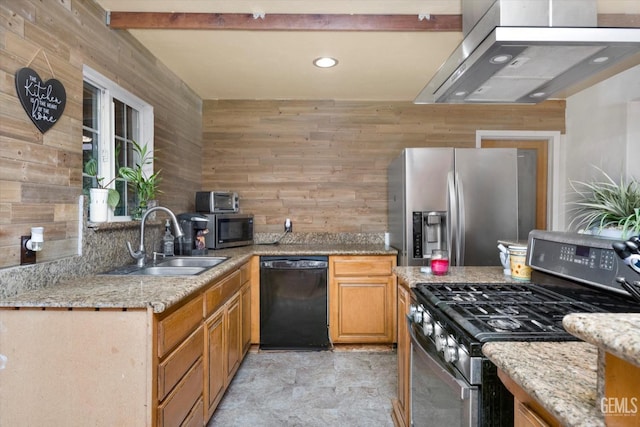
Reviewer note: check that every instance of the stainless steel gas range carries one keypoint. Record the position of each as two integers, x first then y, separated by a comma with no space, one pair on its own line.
452,383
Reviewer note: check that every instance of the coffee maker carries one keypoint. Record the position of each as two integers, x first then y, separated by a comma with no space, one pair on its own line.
195,228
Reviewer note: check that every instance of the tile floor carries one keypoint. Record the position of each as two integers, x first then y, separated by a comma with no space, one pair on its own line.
323,388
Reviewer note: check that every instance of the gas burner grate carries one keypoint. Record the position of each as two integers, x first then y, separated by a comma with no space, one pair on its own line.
503,311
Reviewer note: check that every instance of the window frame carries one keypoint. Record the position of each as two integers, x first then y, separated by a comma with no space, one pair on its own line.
106,137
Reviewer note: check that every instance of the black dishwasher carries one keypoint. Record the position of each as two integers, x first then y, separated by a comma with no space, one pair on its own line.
293,303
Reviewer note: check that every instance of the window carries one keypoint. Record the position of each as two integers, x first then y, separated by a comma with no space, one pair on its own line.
112,120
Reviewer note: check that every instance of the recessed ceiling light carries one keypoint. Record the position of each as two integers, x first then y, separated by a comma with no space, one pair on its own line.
538,94
325,62
600,59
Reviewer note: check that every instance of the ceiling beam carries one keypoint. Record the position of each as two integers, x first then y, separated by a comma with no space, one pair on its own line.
620,20
311,22
281,22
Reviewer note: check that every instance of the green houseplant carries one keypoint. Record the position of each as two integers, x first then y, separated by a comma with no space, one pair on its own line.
145,186
607,204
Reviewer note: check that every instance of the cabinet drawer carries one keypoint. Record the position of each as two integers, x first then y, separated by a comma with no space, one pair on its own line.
362,265
178,325
178,363
196,417
219,293
177,407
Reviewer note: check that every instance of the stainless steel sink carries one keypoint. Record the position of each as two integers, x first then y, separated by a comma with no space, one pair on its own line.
191,262
174,266
168,271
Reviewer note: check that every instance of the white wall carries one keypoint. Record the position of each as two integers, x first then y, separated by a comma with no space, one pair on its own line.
603,129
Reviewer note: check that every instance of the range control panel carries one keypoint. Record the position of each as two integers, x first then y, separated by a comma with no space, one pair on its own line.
579,257
587,256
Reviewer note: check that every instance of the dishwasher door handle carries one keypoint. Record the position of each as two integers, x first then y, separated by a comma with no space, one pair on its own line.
294,265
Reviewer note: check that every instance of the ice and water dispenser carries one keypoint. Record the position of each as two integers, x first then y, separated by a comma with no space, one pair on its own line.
429,232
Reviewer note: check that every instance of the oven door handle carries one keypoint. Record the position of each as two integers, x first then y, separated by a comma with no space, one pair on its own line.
451,381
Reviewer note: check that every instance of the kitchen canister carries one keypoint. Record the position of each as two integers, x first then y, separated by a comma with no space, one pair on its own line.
519,268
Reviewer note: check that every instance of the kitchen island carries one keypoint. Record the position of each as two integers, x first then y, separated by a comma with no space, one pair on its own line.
592,383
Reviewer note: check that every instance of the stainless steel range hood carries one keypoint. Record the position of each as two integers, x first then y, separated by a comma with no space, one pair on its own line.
525,51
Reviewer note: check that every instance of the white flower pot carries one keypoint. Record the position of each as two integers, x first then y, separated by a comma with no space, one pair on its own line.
98,207
610,233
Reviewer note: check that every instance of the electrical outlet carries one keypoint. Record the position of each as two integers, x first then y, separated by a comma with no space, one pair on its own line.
288,226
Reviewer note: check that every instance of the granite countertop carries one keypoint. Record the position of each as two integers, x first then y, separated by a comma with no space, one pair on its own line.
161,292
561,376
616,333
413,275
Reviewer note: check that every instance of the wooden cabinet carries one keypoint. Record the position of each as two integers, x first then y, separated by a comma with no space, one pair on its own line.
245,304
178,406
180,349
234,329
402,405
246,317
362,299
527,411
228,325
526,417
216,375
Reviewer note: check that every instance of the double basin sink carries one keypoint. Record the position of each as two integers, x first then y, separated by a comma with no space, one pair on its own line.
173,266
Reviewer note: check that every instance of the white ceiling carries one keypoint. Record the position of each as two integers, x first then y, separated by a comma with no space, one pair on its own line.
382,66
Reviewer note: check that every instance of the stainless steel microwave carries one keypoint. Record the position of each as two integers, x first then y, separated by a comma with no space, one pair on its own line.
229,230
217,202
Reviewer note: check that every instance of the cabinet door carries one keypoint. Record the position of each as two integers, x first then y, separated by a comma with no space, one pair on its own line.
402,409
234,330
246,317
216,374
351,320
526,417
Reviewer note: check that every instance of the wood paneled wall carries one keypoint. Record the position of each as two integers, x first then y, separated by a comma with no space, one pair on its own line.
40,174
323,163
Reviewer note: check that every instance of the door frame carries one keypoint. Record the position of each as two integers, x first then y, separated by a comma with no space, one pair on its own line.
554,171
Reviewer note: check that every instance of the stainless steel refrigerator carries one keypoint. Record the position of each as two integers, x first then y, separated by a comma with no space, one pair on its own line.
462,200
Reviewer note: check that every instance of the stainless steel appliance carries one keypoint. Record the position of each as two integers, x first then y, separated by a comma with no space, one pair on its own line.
293,303
217,202
527,50
462,200
229,230
452,383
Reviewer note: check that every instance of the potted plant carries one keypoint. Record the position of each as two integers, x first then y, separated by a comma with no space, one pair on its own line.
146,186
607,205
101,198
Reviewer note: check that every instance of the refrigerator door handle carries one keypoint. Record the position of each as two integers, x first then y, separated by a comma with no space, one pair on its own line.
460,225
452,217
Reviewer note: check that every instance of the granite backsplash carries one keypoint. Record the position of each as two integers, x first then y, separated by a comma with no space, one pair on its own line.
104,248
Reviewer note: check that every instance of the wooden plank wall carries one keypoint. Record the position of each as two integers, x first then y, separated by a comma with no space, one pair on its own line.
40,174
323,163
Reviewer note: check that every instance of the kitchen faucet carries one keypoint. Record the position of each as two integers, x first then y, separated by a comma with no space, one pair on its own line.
140,255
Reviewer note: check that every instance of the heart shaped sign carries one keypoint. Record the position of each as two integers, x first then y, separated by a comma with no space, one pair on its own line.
44,102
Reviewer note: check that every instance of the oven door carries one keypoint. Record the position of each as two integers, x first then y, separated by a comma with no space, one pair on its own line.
439,397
